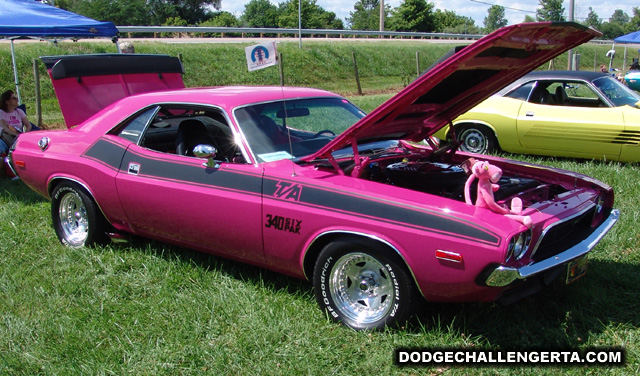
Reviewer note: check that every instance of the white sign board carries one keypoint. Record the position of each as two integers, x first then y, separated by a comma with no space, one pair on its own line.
261,56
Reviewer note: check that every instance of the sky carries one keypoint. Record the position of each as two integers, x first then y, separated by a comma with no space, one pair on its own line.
515,11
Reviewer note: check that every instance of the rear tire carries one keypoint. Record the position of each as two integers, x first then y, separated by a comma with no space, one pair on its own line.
76,218
360,286
477,139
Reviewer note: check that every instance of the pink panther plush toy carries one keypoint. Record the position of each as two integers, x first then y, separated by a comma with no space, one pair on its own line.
488,175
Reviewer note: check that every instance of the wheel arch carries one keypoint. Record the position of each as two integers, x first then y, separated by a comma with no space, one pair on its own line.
320,241
57,180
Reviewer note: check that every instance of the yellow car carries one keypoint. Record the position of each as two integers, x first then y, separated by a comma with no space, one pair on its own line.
575,114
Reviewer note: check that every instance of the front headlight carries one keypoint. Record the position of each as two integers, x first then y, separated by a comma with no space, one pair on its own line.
518,246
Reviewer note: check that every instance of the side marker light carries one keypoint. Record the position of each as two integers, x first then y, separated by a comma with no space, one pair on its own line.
448,256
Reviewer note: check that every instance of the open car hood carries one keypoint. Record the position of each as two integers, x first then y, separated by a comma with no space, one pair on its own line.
85,84
460,81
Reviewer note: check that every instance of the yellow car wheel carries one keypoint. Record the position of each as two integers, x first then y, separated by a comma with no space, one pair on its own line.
477,139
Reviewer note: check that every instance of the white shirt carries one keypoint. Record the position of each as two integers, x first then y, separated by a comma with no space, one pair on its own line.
14,119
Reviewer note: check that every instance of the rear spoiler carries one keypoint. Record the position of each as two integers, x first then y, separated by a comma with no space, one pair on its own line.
85,84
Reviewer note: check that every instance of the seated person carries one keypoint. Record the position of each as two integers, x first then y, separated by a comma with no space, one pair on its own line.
13,120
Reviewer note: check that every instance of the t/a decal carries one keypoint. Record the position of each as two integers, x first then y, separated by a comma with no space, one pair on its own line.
283,224
288,191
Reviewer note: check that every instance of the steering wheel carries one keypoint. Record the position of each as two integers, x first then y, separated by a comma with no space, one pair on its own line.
328,131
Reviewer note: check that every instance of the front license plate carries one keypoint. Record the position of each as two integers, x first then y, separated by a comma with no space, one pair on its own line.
576,269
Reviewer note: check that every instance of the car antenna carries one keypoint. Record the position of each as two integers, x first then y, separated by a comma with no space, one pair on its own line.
284,122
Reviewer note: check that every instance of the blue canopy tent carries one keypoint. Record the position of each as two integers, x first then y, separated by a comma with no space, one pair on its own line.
32,19
629,38
632,77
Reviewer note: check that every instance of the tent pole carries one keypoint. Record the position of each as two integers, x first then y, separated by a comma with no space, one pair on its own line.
15,71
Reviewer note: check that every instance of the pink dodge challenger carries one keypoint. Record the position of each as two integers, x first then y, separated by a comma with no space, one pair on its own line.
303,182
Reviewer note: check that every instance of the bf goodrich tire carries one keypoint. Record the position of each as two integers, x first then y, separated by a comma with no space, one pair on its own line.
358,283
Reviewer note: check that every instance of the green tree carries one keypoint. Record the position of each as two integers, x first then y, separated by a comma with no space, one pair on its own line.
529,18
366,15
550,10
447,21
412,15
160,11
313,16
194,11
143,12
619,17
593,20
260,13
495,18
634,22
120,12
62,4
611,30
617,25
173,21
222,19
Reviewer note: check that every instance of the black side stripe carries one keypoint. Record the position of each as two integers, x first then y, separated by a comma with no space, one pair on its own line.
111,154
391,212
106,152
195,174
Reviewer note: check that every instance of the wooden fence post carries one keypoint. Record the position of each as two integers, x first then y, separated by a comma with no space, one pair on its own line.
355,67
280,69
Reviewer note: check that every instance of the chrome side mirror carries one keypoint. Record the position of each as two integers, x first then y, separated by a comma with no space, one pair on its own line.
206,151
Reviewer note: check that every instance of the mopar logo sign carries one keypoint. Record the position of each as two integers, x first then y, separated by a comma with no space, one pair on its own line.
261,56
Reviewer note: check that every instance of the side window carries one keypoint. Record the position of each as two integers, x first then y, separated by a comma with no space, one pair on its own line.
522,92
178,129
133,130
582,95
541,94
565,93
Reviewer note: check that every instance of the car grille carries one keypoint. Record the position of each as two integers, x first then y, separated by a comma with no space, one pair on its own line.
564,235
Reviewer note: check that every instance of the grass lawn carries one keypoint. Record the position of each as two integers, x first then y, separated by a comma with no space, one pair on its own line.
148,308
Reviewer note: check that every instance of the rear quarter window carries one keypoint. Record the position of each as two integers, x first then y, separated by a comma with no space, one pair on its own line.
522,93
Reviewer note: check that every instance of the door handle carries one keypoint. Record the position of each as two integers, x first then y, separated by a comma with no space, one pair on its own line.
529,113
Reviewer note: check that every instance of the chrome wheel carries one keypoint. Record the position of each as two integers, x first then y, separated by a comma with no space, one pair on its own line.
477,139
73,219
76,218
362,284
361,287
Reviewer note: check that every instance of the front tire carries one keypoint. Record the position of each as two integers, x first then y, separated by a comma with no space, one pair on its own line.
477,139
76,218
359,285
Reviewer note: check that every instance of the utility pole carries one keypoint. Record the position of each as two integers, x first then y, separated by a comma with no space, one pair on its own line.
299,23
570,52
382,16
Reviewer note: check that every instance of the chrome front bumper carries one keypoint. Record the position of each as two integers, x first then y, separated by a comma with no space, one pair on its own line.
504,275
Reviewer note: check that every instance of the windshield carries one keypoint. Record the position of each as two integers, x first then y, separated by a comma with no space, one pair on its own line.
308,123
617,93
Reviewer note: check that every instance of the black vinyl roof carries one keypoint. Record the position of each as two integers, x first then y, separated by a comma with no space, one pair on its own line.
568,75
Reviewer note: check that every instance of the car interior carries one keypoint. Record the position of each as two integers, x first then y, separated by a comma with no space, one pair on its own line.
555,93
178,130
